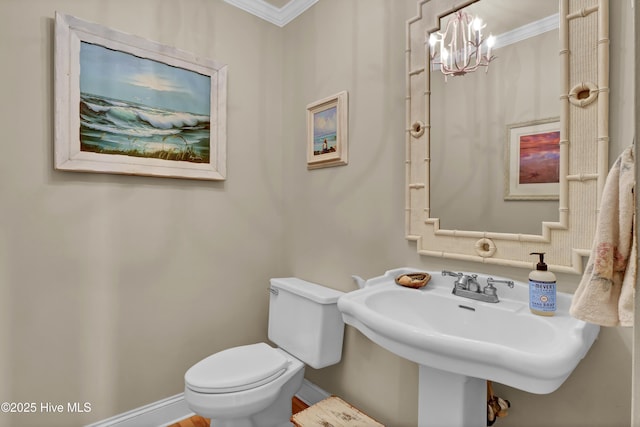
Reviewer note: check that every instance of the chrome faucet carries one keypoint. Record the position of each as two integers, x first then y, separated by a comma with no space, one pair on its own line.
465,282
467,286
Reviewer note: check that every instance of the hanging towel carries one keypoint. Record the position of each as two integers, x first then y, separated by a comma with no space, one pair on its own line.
605,295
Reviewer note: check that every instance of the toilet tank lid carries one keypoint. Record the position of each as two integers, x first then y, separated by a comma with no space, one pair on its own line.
312,291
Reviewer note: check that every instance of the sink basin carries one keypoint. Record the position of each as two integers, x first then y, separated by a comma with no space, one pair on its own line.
502,342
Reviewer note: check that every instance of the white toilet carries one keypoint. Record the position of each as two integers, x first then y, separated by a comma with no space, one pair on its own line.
252,385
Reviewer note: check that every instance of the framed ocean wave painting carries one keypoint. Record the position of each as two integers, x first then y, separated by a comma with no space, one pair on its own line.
327,131
127,105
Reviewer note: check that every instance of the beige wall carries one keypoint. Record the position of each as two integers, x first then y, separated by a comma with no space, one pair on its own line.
113,286
350,220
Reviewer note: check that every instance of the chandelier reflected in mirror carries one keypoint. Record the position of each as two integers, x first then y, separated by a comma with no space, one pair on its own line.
461,48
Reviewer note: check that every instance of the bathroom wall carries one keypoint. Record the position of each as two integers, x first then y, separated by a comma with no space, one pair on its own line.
350,219
112,286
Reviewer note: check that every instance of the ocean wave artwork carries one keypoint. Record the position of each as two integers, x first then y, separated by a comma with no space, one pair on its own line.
143,108
110,126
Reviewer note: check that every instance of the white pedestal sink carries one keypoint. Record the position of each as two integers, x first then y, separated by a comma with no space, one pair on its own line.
460,343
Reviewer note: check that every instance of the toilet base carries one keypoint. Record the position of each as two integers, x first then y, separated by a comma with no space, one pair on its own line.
276,414
269,413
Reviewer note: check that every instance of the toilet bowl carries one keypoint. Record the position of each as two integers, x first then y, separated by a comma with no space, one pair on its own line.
252,385
219,388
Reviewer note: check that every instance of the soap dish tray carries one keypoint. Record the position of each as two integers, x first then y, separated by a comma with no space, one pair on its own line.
413,280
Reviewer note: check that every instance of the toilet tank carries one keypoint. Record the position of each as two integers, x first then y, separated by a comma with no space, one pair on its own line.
305,322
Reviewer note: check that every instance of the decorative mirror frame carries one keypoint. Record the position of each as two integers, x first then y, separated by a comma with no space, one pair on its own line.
584,145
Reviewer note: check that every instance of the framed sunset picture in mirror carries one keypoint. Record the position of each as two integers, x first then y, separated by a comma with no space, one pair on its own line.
128,105
327,132
533,160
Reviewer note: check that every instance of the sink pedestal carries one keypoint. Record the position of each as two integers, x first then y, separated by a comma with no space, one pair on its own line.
448,399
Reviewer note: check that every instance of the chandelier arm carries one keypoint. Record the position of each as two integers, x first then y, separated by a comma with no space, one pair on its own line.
458,50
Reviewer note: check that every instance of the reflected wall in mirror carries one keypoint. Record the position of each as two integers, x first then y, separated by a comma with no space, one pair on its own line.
471,116
456,170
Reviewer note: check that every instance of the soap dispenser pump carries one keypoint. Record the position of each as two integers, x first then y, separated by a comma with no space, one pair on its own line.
542,289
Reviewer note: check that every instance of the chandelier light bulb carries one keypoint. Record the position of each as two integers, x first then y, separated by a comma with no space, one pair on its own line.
477,24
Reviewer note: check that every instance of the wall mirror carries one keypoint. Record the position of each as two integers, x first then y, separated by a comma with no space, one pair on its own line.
472,191
473,115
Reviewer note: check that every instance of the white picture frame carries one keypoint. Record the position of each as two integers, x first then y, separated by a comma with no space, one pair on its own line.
127,105
532,161
327,131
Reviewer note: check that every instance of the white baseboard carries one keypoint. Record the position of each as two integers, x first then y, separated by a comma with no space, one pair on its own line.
173,409
310,393
161,413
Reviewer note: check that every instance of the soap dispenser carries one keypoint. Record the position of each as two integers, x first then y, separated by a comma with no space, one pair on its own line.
542,289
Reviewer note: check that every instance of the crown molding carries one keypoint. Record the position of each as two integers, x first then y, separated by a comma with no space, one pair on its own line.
529,30
278,16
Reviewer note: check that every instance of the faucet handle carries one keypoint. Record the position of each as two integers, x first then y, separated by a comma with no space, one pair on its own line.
451,273
491,281
491,290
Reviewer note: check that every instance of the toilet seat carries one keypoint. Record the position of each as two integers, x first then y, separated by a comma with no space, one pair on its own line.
236,369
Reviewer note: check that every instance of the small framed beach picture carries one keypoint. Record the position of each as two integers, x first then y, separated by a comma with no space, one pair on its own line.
127,105
327,131
533,160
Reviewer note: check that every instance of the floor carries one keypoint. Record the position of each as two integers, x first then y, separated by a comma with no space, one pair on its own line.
297,405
